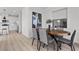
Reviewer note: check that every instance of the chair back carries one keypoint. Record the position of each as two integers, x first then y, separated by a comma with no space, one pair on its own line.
73,36
43,35
34,33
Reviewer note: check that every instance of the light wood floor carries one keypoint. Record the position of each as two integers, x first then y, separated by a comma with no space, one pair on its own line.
18,42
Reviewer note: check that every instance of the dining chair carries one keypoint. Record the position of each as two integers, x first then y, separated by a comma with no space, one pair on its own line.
34,35
45,38
67,41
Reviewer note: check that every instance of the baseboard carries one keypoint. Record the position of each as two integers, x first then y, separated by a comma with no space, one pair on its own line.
27,37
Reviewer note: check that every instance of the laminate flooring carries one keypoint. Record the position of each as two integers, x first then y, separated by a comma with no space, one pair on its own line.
18,42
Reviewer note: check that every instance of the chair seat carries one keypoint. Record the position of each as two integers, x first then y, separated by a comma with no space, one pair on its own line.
50,39
4,29
67,41
64,40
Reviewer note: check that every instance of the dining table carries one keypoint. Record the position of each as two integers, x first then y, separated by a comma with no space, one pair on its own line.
55,34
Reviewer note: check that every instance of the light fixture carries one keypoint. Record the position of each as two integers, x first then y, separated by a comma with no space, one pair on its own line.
58,21
4,17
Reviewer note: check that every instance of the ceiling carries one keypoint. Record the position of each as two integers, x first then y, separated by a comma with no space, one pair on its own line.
14,11
10,10
48,8
54,8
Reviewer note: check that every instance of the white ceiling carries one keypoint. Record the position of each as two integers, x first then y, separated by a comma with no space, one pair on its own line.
16,10
10,10
48,8
54,8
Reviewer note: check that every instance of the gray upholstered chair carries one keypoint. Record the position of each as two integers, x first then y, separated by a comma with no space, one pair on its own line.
44,37
67,41
34,35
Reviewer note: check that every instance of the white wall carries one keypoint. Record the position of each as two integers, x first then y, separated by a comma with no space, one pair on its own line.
73,21
19,22
27,22
59,14
50,11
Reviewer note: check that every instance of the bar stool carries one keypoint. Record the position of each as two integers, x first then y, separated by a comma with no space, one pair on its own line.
4,29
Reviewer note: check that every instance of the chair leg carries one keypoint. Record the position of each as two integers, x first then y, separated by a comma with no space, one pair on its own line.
33,41
57,47
73,48
60,45
54,46
43,45
39,46
47,47
56,42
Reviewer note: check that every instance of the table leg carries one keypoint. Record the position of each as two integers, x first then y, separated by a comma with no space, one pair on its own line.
55,41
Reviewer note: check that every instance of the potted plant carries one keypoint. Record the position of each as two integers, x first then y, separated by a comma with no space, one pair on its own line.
49,23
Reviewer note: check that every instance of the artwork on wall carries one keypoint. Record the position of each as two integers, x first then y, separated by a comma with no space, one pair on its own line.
36,20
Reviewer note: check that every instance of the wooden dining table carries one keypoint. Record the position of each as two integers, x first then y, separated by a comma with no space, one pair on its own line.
56,34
